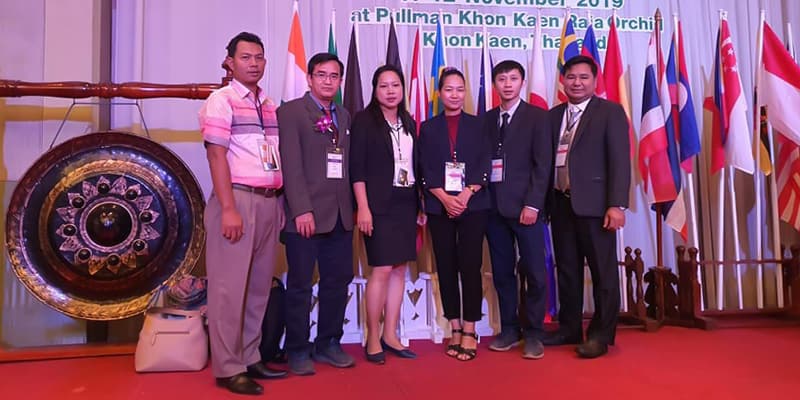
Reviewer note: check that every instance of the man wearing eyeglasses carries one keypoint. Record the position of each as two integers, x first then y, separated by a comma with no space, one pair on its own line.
314,143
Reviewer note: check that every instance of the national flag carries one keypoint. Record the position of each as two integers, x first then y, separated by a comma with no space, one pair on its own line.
537,87
779,87
589,49
568,48
615,83
392,49
353,94
674,212
438,64
654,163
294,77
418,95
687,132
486,103
469,101
332,49
732,143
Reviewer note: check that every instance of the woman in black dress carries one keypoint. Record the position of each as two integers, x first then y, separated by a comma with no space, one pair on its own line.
455,159
382,150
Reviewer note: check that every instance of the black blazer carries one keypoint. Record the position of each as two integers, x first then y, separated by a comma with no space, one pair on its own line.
472,147
599,157
528,161
372,156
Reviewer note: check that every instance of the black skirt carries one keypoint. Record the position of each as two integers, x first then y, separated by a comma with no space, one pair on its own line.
394,233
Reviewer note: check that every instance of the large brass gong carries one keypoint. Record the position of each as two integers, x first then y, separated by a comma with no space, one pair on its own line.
100,222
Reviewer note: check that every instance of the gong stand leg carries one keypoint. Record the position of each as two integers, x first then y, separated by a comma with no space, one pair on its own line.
96,331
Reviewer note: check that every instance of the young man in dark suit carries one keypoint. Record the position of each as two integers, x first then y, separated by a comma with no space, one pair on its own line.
589,200
314,145
520,181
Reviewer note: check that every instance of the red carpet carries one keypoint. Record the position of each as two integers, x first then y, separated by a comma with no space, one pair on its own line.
673,363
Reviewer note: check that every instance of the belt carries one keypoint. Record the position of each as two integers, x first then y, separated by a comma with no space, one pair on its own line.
565,193
261,191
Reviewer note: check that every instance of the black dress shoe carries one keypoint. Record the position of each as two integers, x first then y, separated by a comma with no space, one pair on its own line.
558,339
240,384
377,358
261,371
402,353
591,349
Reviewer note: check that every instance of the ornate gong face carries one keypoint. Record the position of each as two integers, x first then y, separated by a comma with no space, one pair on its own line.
100,222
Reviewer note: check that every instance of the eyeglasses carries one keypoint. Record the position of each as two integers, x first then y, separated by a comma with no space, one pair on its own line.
321,76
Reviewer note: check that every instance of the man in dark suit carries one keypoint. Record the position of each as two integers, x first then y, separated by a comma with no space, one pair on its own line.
314,145
520,181
588,205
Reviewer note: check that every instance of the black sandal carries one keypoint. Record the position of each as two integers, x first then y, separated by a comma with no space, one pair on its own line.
455,348
470,353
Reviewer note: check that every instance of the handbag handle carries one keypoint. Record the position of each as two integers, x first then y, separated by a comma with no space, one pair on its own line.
174,311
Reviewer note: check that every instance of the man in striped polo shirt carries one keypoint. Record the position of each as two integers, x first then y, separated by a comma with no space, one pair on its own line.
244,216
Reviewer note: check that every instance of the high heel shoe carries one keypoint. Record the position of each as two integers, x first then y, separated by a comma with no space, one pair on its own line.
402,353
453,350
377,358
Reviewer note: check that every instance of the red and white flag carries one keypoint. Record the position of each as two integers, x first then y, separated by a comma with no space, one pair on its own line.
779,88
537,87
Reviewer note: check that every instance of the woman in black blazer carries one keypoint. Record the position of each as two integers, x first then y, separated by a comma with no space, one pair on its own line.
382,160
455,161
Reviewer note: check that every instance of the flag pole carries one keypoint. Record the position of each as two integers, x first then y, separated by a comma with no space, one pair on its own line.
694,241
757,175
721,218
659,208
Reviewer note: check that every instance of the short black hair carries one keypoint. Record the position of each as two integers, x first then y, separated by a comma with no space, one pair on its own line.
579,59
507,66
447,72
320,58
243,37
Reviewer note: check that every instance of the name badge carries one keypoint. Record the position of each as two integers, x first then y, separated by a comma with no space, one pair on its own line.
561,155
335,158
401,178
497,170
454,176
268,153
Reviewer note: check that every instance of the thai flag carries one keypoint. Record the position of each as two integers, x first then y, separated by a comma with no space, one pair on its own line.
674,212
654,163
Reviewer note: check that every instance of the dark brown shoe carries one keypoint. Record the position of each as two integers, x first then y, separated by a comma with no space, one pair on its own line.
261,371
241,384
591,349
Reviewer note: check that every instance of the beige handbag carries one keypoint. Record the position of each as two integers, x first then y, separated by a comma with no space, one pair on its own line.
172,340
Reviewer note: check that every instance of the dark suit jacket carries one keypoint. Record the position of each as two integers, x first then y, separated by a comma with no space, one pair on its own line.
528,161
598,161
372,157
472,147
304,157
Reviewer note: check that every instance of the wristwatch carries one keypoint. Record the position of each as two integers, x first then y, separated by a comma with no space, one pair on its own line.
622,208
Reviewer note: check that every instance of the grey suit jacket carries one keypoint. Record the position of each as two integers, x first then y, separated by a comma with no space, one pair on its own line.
304,158
599,157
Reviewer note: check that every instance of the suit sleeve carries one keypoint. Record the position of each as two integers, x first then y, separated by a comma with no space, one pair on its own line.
294,177
358,149
542,156
617,155
427,157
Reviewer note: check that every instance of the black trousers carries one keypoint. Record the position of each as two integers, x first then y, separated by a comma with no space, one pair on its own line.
576,239
458,249
333,251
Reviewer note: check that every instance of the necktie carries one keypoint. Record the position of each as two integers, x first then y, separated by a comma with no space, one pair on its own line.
562,173
502,132
335,133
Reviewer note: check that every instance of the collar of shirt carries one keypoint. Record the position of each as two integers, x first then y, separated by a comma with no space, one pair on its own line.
322,108
581,106
243,91
511,110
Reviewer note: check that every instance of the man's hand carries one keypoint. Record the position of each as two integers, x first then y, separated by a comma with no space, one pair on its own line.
232,226
614,219
528,216
305,224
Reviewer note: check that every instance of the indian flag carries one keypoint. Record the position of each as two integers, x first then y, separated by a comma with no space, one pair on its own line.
294,82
